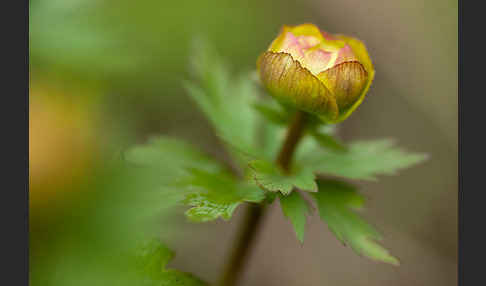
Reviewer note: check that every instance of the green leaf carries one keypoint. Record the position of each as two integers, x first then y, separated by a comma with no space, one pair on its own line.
272,112
329,129
228,110
295,208
363,160
172,277
227,102
204,209
329,142
268,176
182,174
200,181
152,262
170,157
335,201
217,195
270,138
152,257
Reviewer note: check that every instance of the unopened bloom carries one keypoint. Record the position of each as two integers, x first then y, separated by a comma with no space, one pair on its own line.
326,75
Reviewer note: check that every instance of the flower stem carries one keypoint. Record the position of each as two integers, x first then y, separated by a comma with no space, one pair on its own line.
248,231
255,212
294,134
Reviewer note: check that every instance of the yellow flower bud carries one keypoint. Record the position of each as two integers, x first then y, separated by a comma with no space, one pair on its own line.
326,75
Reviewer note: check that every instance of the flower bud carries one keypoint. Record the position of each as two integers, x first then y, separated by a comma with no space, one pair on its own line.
326,75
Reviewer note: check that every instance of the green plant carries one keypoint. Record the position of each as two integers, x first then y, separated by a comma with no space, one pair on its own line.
277,151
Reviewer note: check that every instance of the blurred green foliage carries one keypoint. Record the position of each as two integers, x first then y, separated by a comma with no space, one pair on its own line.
133,55
363,160
152,260
142,46
130,58
94,240
207,185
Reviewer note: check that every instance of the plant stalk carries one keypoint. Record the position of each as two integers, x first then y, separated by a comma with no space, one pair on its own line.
255,212
247,235
294,134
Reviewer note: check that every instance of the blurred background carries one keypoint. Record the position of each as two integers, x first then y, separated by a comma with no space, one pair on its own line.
105,75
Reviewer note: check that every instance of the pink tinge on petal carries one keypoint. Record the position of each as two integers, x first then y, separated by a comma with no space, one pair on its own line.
292,46
307,42
317,60
310,53
345,54
289,40
299,48
328,36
